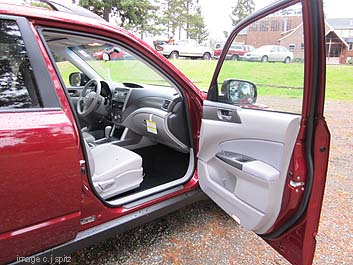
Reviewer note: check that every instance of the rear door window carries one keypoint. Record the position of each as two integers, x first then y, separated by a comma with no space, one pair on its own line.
17,85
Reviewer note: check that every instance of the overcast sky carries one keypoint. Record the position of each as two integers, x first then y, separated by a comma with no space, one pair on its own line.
216,13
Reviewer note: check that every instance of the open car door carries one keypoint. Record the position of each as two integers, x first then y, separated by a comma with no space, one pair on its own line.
265,168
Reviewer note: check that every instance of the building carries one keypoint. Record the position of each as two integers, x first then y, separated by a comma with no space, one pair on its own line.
269,30
286,29
343,27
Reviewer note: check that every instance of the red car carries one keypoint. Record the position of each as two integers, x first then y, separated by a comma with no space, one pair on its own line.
113,53
89,149
236,51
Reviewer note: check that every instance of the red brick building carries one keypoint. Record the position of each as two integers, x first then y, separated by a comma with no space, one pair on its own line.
287,31
269,30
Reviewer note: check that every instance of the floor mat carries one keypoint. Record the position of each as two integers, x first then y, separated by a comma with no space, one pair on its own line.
161,165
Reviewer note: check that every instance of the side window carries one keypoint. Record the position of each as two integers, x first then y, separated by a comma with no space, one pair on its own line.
276,71
17,84
65,68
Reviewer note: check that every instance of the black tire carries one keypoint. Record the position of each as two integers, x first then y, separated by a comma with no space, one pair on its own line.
235,57
264,59
173,55
287,60
206,56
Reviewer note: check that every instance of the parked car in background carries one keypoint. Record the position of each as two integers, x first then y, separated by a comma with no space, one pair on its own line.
159,42
114,53
270,53
185,48
236,51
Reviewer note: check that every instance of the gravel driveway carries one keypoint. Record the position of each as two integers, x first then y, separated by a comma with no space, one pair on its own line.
204,234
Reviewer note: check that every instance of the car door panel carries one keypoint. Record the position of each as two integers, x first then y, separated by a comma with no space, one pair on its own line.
246,161
268,170
41,182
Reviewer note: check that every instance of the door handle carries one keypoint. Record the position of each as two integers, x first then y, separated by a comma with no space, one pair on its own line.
224,115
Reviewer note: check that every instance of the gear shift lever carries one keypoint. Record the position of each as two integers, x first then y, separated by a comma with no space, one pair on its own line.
107,131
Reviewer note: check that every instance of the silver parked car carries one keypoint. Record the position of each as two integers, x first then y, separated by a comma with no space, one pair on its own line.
270,53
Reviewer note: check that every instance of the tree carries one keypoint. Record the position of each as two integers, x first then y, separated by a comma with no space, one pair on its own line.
184,14
173,15
196,26
100,7
242,9
131,13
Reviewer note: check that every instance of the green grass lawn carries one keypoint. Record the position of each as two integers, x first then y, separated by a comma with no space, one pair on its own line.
275,79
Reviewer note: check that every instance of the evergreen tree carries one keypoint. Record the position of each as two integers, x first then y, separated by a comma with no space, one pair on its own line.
131,14
197,28
174,15
242,9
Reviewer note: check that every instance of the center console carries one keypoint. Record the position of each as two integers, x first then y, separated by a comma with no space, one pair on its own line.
119,100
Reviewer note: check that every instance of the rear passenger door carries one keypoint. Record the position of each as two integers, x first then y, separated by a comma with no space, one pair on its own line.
40,180
274,54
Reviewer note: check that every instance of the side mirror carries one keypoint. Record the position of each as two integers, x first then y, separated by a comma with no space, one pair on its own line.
78,79
239,92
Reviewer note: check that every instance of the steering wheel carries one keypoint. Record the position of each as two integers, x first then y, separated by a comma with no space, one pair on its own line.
89,98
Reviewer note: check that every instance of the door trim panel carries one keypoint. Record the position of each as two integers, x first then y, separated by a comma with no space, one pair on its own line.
255,187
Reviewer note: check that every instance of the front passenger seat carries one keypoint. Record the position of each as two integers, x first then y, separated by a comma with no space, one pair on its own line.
114,169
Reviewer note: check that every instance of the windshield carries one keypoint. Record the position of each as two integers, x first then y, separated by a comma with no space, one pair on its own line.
113,63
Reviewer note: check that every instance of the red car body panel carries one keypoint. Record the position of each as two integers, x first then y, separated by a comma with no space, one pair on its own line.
217,52
43,137
113,54
39,152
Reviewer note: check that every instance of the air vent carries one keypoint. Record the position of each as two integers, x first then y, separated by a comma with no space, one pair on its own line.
166,104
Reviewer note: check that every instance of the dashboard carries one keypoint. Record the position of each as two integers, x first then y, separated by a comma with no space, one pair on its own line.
156,112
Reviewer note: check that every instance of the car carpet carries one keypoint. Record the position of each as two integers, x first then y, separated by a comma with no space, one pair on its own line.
161,165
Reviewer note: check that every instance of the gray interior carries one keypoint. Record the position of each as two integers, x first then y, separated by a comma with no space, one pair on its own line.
114,169
116,132
243,163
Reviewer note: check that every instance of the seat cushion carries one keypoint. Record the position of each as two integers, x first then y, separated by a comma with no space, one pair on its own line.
116,170
111,160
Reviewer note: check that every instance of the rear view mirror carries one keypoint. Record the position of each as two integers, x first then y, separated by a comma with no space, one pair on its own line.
106,56
239,91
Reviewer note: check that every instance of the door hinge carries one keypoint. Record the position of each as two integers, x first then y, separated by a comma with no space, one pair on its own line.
83,167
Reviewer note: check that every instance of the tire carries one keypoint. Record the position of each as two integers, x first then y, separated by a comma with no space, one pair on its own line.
264,59
287,60
206,56
173,55
234,57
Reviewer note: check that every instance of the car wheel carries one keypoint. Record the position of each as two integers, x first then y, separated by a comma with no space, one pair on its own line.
264,59
206,56
287,60
235,57
174,55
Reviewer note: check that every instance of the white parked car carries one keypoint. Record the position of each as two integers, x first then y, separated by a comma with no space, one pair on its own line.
185,48
270,53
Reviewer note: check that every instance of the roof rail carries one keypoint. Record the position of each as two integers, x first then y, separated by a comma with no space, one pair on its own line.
69,8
